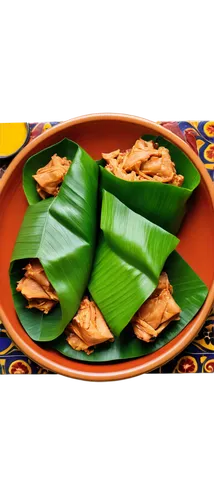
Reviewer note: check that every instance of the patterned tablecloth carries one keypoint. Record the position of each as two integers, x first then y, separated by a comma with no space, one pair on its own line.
198,356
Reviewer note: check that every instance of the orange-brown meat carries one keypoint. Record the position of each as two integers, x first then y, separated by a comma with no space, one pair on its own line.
76,343
156,312
50,177
36,288
43,305
163,284
35,271
119,172
88,328
177,180
145,161
31,289
139,154
109,156
161,169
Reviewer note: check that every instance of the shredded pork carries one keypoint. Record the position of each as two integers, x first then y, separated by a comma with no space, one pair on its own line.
156,312
144,162
50,177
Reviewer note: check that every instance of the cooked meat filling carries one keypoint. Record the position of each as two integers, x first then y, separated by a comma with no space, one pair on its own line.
50,177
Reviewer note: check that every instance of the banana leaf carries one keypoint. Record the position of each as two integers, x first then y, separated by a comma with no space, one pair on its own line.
63,148
162,204
128,262
189,292
61,233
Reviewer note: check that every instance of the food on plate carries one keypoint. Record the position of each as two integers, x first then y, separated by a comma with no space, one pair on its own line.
61,233
88,328
36,288
157,311
162,179
129,258
49,178
87,259
145,161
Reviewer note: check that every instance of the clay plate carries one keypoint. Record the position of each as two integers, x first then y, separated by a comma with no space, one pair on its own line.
97,133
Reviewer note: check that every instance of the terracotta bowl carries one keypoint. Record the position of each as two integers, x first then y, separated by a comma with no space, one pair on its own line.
97,133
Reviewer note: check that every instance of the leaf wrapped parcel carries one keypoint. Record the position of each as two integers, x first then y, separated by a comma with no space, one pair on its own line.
63,148
128,262
162,204
61,233
189,292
